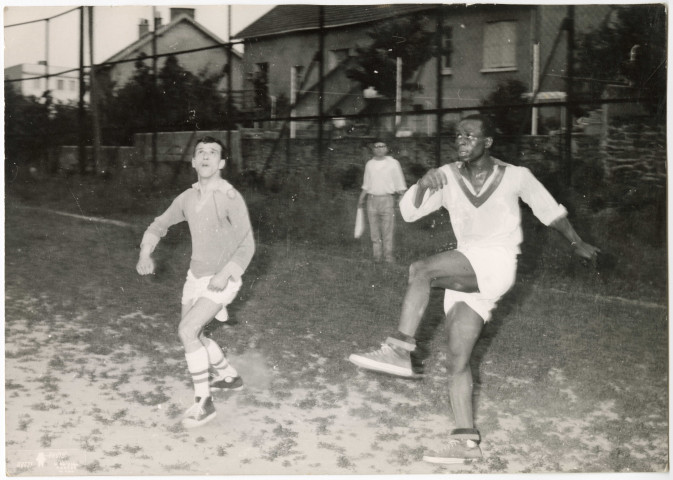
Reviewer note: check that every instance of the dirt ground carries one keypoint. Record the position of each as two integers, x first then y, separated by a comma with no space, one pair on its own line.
72,412
80,401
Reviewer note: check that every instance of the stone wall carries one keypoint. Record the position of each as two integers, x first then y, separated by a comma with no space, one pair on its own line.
634,154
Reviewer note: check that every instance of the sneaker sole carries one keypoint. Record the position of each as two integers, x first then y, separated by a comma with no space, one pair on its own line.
191,423
369,364
222,389
443,460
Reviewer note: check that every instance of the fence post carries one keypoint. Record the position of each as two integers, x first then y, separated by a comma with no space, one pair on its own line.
570,28
438,131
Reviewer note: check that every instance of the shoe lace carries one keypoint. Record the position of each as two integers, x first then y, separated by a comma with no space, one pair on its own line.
195,410
384,350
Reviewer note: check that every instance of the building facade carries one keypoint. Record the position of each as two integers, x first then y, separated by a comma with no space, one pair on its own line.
182,33
487,44
33,80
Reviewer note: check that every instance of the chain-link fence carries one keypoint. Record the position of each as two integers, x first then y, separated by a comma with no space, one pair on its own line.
576,134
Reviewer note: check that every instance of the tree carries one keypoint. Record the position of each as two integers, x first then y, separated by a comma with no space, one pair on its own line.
26,125
631,47
128,110
176,109
183,102
406,38
509,121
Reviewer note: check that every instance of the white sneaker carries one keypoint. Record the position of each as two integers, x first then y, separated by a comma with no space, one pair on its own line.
457,451
388,359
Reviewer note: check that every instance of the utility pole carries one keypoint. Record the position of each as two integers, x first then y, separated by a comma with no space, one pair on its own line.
570,72
80,104
47,96
321,86
46,54
230,72
94,98
153,95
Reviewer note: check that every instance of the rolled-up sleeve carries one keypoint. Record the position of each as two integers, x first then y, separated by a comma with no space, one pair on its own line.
399,182
367,180
538,198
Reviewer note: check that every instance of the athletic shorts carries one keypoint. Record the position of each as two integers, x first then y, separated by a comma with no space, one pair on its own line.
196,288
495,268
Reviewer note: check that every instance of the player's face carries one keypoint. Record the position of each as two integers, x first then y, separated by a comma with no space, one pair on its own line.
207,159
470,140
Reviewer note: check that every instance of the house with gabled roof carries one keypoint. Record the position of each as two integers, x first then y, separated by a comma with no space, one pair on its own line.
485,45
182,33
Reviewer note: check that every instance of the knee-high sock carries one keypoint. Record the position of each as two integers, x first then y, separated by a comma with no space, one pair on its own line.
218,360
197,363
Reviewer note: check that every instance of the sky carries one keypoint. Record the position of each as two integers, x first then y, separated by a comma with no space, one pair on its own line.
115,27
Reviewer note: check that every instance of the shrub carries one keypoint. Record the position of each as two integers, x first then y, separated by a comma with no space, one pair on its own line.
351,177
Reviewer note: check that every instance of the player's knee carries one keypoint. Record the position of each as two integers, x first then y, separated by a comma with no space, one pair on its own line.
418,272
187,333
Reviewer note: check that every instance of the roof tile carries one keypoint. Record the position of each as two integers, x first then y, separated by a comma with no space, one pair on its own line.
292,18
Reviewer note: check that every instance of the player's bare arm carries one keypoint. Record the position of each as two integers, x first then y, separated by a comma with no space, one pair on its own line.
145,265
581,248
434,179
361,200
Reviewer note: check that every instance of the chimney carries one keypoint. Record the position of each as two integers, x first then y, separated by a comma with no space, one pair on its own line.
175,12
143,27
157,20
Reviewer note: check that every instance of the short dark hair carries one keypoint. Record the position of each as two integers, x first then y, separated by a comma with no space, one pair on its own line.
209,139
487,126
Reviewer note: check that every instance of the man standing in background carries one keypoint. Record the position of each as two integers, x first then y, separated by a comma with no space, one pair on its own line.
383,179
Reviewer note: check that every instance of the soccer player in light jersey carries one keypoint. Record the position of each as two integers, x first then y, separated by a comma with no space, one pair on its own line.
481,194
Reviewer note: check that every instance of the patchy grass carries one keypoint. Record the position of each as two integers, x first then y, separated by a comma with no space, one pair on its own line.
571,375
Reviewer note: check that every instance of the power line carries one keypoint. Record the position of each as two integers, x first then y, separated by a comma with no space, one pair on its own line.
45,19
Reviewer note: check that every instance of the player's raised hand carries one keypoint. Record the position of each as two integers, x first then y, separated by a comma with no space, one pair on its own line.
434,179
145,266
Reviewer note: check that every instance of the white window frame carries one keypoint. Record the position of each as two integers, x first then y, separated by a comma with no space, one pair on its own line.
500,46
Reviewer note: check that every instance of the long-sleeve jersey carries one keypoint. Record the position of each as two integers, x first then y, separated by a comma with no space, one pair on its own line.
492,218
222,238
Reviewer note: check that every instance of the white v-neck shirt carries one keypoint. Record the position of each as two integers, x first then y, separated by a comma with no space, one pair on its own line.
497,221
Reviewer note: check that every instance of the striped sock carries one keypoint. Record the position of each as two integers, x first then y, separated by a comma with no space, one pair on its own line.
218,360
197,363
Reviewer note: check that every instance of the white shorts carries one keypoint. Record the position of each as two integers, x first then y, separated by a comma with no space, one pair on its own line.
495,268
196,288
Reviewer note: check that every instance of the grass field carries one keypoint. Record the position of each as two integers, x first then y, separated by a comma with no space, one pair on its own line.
570,376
